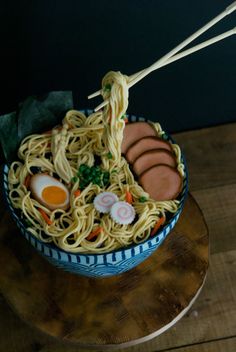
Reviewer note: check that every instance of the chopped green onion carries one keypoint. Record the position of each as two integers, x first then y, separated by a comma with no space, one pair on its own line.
90,177
164,136
28,222
86,172
107,87
142,199
109,155
74,179
106,174
97,180
82,185
82,167
93,172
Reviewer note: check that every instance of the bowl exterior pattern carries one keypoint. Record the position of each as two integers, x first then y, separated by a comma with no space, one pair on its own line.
98,265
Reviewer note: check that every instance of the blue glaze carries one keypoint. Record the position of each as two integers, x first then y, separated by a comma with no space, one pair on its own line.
99,265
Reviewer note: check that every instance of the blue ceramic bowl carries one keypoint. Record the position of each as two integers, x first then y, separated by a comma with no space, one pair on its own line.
106,264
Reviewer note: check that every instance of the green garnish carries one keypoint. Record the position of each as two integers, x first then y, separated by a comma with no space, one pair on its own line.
97,180
74,179
164,136
90,177
87,172
107,87
28,222
94,175
106,178
93,172
82,185
83,167
142,199
109,155
106,174
123,117
114,171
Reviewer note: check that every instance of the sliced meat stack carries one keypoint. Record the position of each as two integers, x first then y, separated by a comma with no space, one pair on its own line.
135,131
152,160
145,144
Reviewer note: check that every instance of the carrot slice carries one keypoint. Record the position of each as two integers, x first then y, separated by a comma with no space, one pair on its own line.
45,216
94,233
27,181
157,225
128,197
77,193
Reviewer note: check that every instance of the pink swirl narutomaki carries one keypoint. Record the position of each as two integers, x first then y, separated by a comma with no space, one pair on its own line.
122,213
104,201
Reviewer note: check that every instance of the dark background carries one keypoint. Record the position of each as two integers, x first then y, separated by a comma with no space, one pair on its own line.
70,45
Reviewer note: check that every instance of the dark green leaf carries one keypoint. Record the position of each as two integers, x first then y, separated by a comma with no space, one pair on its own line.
35,115
8,136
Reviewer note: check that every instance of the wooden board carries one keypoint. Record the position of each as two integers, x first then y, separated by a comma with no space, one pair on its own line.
210,155
211,318
224,345
218,205
118,311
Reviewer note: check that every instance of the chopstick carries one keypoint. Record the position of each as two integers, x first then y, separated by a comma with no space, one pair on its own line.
171,57
187,52
133,78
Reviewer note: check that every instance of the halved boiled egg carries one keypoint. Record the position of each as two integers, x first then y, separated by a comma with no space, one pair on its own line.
49,192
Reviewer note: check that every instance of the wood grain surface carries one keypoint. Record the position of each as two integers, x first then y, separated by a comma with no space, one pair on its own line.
120,310
210,153
210,325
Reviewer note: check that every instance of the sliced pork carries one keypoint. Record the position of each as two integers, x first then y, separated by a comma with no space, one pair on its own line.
135,131
151,158
161,182
145,144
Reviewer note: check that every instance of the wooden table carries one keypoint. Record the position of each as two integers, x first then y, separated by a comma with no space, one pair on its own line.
210,325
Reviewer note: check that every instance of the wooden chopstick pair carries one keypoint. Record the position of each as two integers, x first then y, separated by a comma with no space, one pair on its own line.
173,56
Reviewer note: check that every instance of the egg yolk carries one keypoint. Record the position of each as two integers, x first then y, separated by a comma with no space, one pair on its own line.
54,195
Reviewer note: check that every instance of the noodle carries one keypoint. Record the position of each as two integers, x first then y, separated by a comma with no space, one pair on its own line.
62,151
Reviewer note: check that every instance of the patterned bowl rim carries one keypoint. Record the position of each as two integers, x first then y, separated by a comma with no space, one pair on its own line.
149,241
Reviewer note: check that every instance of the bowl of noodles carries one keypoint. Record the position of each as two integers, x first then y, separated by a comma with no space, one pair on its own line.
84,157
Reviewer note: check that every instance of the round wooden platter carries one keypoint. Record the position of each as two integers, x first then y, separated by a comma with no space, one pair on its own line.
113,312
